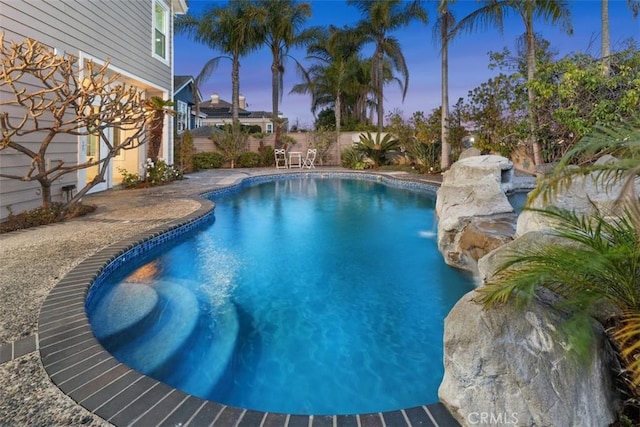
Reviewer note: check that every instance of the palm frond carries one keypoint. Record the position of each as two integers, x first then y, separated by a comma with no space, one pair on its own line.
626,336
621,141
599,259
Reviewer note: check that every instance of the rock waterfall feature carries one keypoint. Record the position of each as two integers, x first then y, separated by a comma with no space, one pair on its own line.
474,214
509,365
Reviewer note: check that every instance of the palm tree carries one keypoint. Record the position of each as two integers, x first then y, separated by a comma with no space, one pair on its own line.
606,42
157,108
282,30
443,25
335,68
634,6
380,18
233,29
492,15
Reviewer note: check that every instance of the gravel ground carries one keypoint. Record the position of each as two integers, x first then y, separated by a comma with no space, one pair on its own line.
28,398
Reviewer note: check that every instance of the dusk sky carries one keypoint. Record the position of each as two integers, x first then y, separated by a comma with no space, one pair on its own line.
468,59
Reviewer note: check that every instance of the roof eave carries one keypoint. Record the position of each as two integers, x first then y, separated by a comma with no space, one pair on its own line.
180,7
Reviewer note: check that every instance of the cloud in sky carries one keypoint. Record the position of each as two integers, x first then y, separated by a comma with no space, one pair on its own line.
468,59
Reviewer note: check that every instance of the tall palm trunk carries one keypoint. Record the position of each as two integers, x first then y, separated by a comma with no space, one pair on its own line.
379,82
445,158
338,114
531,96
155,124
156,127
235,91
606,49
275,97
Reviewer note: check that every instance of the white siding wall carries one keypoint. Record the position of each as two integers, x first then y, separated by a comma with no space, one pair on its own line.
120,32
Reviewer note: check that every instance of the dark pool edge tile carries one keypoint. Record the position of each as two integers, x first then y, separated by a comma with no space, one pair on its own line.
18,348
65,324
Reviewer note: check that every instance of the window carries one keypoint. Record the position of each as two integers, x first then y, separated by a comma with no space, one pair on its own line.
160,30
269,127
182,116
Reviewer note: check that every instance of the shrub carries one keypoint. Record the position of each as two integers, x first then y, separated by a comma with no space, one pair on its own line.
183,151
130,180
249,159
353,159
231,143
251,129
377,149
208,161
426,156
267,157
160,172
42,216
157,173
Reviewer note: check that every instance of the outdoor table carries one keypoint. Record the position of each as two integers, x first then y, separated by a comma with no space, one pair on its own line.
295,159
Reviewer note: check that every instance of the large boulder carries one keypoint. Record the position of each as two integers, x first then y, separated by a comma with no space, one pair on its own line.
473,237
585,195
491,262
507,366
474,214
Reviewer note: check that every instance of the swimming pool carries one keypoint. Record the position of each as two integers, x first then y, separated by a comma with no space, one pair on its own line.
345,317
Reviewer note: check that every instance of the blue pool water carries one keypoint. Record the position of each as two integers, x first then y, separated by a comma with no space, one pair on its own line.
304,296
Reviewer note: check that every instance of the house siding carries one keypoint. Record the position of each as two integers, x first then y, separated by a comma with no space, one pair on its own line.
116,31
120,32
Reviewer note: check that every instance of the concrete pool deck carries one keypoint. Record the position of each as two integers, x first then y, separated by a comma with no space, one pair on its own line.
43,279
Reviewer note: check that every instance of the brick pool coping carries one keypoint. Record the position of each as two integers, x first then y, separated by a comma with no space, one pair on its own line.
82,369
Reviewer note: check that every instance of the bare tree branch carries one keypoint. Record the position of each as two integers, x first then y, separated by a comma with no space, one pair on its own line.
51,96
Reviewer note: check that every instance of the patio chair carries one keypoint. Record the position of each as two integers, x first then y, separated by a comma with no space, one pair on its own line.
311,157
281,158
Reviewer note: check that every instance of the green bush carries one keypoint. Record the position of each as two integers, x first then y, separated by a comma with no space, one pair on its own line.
426,156
267,157
157,173
353,159
160,172
130,180
249,159
251,129
377,148
183,150
208,161
56,212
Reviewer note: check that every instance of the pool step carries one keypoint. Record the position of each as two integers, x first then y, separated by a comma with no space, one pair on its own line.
175,320
121,312
205,359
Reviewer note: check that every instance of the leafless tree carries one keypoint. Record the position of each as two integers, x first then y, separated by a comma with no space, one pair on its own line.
48,98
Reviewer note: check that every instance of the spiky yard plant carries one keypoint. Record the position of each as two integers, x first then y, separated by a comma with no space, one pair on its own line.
377,148
600,264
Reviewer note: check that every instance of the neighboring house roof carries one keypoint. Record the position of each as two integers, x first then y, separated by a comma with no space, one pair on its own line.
222,110
260,114
204,131
181,83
